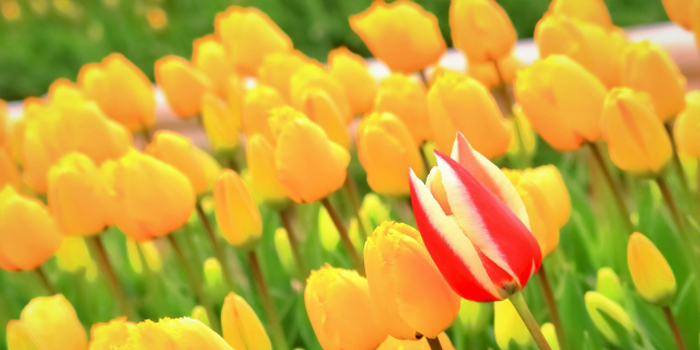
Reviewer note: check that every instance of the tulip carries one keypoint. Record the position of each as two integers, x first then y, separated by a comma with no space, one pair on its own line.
64,95
386,151
524,134
236,212
277,69
402,35
213,273
221,122
509,327
3,124
74,256
680,12
550,334
340,310
593,11
264,183
111,335
608,284
311,76
199,313
637,140
649,68
242,328
15,139
174,334
353,74
474,316
182,84
9,175
256,108
485,72
209,57
599,305
50,323
328,233
457,102
177,150
18,338
409,294
392,343
249,35
322,110
485,250
687,126
306,181
596,48
284,250
406,98
650,272
481,29
149,251
143,208
562,100
78,196
28,233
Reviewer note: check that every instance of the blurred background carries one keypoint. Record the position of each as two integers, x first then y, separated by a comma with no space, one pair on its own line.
42,40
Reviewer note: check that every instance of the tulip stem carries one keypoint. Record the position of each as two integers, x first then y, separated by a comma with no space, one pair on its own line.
218,252
45,282
424,78
671,203
146,134
354,195
286,218
674,327
614,189
509,103
434,343
552,306
275,323
676,159
530,322
344,236
100,255
424,158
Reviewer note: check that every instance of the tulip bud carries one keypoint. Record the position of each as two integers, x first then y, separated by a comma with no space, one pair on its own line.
649,68
508,326
74,256
50,323
221,122
473,316
18,338
687,126
9,175
409,294
392,343
328,233
608,284
525,131
353,74
550,334
213,275
122,90
143,208
175,334
562,100
199,313
593,11
278,68
481,29
637,140
249,35
680,12
406,98
598,305
386,151
284,250
340,310
322,110
485,72
150,254
241,326
256,108
306,181
28,233
457,102
182,84
209,57
311,76
650,272
110,335
236,213
402,34
261,168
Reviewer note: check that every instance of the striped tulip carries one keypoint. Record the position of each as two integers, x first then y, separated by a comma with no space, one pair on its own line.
475,225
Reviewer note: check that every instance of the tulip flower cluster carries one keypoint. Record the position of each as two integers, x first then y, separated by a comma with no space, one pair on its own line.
459,228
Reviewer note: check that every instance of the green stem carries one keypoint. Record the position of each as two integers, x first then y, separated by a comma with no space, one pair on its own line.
277,332
218,252
354,195
424,78
434,343
671,203
45,282
677,160
509,103
674,328
286,218
100,255
530,322
613,188
424,157
552,306
344,236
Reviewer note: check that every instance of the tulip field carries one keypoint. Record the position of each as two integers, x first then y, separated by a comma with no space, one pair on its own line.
552,204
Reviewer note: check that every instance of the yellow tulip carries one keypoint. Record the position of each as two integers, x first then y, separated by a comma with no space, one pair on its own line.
213,274
608,284
550,334
340,310
242,328
199,313
249,35
311,76
284,251
209,57
525,131
322,110
50,323
353,74
687,126
562,100
111,335
386,151
593,11
637,140
551,183
680,12
182,84
323,168
143,208
64,95
277,69
18,338
122,90
457,102
401,34
236,212
392,343
9,175
221,122
74,256
695,21
28,233
78,196
597,304
481,29
264,184
149,251
648,67
650,271
177,150
509,327
406,98
256,108
174,334
408,292
474,316
15,139
485,72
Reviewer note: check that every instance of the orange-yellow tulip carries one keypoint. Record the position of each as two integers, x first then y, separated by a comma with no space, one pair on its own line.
401,34
249,35
485,72
593,11
386,151
174,334
3,124
392,343
182,84
261,168
143,208
680,12
209,57
242,328
562,100
221,121
637,140
64,95
177,150
277,69
49,323
695,21
481,29
352,72
340,310
322,110
457,102
406,98
687,126
255,112
311,76
648,67
236,212
122,91
650,271
9,175
110,335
